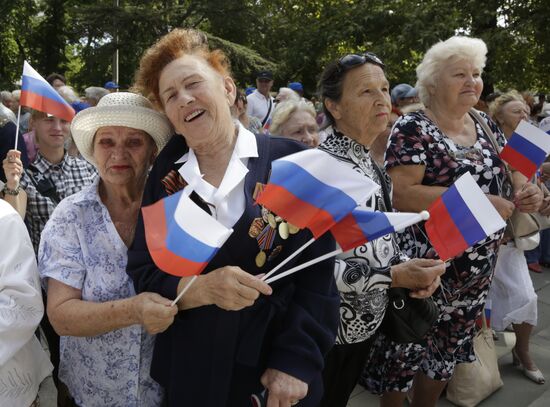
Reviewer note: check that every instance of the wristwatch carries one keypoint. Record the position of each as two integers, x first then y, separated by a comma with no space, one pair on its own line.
9,191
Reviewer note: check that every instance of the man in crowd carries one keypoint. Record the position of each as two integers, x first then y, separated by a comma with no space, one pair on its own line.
260,102
111,86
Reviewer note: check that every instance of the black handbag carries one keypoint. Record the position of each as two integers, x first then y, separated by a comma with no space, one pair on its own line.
407,319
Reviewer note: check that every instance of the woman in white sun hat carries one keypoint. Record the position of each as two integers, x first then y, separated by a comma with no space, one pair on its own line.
106,329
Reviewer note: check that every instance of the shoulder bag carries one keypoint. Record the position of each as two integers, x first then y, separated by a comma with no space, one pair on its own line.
407,319
474,382
520,224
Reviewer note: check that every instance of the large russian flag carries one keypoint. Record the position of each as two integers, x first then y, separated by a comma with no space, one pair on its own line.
461,217
527,149
38,94
312,189
181,237
363,225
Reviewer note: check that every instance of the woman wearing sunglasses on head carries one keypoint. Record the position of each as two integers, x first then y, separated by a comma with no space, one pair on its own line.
356,102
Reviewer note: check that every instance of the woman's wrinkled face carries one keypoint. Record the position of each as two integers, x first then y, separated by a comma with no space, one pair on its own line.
511,114
123,154
363,110
197,100
459,84
301,126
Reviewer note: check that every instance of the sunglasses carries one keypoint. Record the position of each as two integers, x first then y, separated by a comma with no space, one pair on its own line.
353,60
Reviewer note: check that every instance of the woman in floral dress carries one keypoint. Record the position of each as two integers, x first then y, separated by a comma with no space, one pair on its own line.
428,151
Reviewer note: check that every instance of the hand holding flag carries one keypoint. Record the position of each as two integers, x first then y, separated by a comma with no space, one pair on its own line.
461,217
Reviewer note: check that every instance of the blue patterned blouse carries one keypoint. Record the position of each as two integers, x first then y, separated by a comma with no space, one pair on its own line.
81,248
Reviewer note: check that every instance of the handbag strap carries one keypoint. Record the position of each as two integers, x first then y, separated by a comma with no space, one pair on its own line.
383,185
477,117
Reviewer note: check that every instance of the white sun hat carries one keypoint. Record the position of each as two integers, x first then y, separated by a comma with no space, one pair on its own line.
119,109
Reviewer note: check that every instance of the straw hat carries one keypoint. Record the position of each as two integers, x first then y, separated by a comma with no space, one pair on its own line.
119,109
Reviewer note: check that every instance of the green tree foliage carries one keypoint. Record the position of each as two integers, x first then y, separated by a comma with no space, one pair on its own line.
295,38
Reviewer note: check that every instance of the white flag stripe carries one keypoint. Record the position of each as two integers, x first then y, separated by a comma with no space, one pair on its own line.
330,171
29,71
200,224
478,203
534,135
400,221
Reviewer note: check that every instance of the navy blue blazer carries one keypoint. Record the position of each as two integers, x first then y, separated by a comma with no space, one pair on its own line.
212,357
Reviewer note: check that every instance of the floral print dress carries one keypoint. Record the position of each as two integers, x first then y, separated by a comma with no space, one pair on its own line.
417,140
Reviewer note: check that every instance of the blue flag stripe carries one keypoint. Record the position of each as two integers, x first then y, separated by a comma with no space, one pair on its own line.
306,187
463,218
526,148
373,224
43,89
179,241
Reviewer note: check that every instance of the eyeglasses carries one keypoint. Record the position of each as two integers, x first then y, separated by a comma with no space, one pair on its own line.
352,60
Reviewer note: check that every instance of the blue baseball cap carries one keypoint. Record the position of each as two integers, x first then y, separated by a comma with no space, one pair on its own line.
296,86
111,85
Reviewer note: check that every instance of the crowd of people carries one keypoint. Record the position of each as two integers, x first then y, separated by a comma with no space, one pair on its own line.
71,218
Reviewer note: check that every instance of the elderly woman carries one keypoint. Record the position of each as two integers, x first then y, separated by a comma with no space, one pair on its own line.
428,150
356,101
512,295
295,119
234,334
106,329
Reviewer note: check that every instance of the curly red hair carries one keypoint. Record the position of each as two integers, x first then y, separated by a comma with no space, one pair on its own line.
172,46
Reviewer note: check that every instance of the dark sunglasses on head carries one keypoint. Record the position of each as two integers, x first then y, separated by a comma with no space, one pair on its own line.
352,60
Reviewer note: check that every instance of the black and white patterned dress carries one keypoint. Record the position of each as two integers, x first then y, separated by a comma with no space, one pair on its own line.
362,274
416,140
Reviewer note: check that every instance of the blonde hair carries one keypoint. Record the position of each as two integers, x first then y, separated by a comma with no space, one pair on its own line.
496,106
284,110
472,49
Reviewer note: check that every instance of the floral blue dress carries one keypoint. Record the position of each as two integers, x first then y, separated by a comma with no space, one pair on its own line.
416,140
80,247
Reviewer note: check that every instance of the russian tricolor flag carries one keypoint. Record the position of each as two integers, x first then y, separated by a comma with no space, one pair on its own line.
181,237
38,94
363,225
460,218
527,149
313,190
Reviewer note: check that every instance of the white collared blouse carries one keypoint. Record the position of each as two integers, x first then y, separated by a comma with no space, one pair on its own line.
227,202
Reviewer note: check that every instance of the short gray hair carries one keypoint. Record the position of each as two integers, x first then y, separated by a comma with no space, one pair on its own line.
95,93
68,93
284,110
472,49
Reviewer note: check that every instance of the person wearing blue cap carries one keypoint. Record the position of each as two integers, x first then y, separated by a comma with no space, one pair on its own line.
297,87
111,86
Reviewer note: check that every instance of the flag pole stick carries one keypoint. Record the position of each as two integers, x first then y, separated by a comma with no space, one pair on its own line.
285,261
183,291
17,128
304,265
424,215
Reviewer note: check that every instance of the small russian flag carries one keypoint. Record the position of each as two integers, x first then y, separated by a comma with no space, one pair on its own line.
364,225
527,149
313,190
180,236
461,217
38,94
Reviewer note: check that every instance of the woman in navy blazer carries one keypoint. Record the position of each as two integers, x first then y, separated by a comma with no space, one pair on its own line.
235,336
